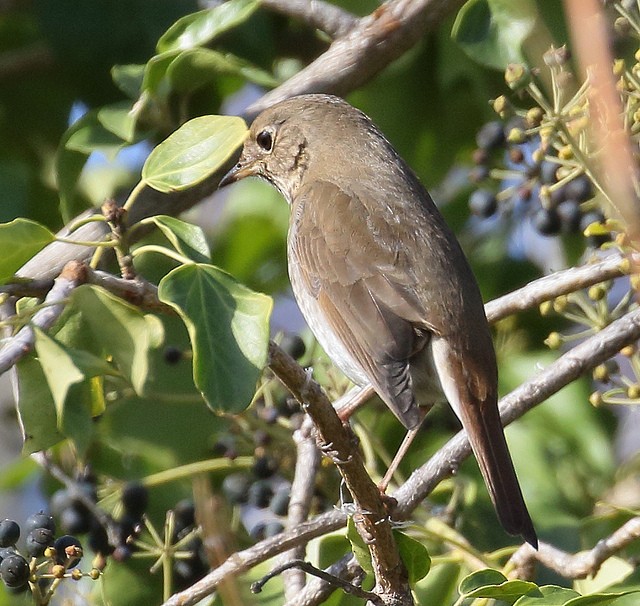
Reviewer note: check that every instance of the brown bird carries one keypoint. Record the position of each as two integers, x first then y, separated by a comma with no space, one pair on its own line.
381,279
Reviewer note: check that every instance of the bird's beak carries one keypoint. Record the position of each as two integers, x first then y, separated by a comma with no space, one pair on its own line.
244,168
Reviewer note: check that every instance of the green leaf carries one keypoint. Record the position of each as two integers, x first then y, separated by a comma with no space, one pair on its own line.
122,330
613,570
188,239
192,68
20,239
64,367
414,555
202,27
492,32
156,69
36,408
128,78
194,152
607,599
89,135
360,550
493,584
119,119
228,326
551,595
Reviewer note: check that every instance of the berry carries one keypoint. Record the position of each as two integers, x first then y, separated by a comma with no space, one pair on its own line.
548,172
261,437
490,135
122,553
37,541
39,520
260,493
128,526
135,499
235,488
279,504
9,533
99,539
264,467
570,215
14,571
547,221
184,517
483,203
76,519
580,188
293,345
172,355
68,551
272,528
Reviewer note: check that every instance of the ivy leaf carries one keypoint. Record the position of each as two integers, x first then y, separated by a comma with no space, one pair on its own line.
194,152
228,326
360,550
492,32
551,595
414,555
36,408
491,583
20,239
64,367
122,330
188,239
119,119
202,27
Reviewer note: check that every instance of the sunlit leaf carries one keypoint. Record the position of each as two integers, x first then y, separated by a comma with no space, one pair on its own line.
414,555
228,325
551,595
194,152
20,239
120,119
202,27
121,329
360,550
64,367
188,239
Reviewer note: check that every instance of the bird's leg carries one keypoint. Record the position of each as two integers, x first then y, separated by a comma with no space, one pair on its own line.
352,400
402,451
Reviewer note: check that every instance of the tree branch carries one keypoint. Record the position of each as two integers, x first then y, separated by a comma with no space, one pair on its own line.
328,18
22,342
302,487
371,517
579,565
355,58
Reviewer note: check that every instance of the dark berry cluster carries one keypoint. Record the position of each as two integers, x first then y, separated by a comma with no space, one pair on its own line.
44,559
529,188
534,165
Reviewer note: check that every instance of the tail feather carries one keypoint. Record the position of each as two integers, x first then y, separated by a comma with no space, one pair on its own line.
475,404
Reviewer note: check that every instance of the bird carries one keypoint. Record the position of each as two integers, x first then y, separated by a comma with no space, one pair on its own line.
381,279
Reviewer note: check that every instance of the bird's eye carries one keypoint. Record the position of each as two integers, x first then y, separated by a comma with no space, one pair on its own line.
265,140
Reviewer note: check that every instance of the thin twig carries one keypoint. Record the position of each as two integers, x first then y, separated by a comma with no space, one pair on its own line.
302,487
22,342
579,565
321,574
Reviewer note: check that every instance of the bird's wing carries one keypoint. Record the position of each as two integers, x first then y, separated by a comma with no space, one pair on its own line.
364,288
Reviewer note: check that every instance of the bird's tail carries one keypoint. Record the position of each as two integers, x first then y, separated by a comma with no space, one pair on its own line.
475,403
